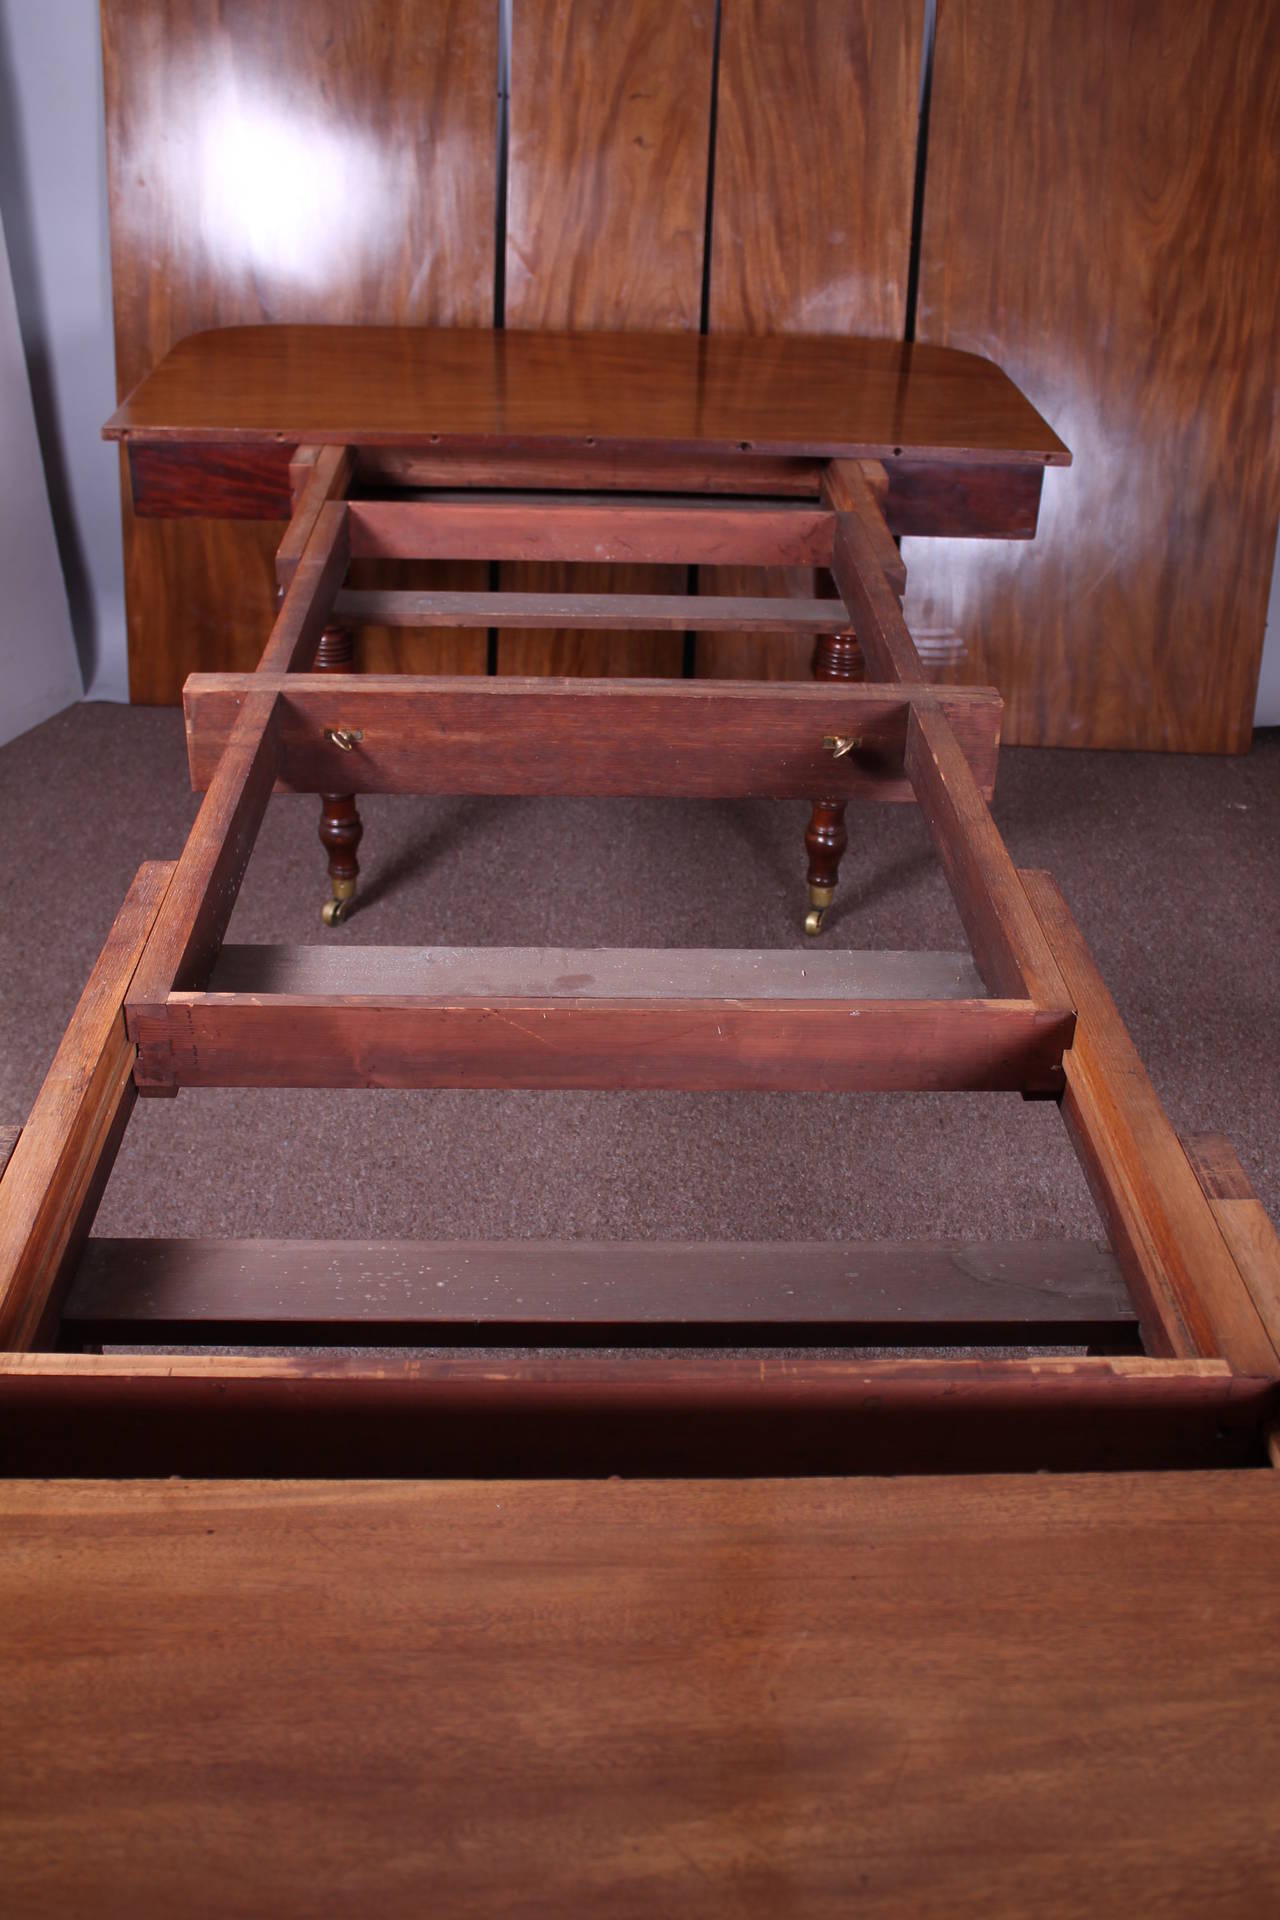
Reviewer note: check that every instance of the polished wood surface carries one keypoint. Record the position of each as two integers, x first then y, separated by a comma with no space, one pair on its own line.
415,386
815,156
575,1293
610,125
312,160
1123,262
766,1698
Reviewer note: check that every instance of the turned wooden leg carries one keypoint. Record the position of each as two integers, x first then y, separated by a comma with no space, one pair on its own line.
340,824
837,656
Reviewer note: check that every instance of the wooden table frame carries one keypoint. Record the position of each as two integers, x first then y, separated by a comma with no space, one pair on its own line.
168,1007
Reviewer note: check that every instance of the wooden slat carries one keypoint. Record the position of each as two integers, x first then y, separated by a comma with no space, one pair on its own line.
531,1415
848,488
505,736
313,585
1242,1220
744,1045
817,110
1011,950
584,973
1123,262
198,904
530,527
610,128
677,1698
329,479
586,467
312,160
574,1292
874,611
51,1186
1184,1281
665,612
9,1137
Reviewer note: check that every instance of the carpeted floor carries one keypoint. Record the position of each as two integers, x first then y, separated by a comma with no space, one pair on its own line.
1172,866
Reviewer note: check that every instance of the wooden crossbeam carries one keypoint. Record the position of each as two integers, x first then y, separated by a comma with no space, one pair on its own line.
60,1162
198,904
329,479
1185,1283
308,601
510,1040
848,488
692,739
614,528
627,1413
576,1293
666,612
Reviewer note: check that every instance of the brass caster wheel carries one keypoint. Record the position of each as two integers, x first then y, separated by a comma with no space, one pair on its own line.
813,920
334,912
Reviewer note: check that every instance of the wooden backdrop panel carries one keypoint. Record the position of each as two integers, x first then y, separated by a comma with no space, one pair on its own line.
312,160
610,132
1101,218
815,166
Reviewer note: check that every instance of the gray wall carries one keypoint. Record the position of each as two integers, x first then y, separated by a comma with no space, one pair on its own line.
53,203
39,673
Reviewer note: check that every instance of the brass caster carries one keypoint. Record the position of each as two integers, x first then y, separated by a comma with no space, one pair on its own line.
820,899
334,912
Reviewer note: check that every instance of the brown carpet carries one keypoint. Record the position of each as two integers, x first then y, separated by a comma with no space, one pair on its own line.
1172,866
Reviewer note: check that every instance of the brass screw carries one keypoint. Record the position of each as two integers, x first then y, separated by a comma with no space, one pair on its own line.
839,744
344,738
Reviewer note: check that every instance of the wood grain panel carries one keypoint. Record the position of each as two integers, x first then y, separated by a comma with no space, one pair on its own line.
307,161
1122,261
1010,1695
610,127
815,159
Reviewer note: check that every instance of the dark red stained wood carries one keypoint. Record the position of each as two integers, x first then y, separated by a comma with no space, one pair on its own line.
704,739
573,1293
586,1416
971,500
445,387
873,1046
222,483
962,499
527,527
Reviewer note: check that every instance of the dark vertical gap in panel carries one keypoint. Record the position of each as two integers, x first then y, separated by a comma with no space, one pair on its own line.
504,142
688,659
922,165
704,322
500,247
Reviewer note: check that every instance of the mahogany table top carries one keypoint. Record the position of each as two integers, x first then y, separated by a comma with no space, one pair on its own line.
1004,1695
397,386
